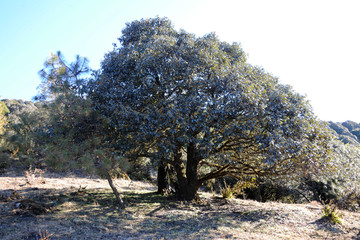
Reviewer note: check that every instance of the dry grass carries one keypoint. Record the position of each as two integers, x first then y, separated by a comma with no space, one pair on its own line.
90,213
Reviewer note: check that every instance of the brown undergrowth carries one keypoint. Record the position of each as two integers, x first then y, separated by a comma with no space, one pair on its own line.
83,208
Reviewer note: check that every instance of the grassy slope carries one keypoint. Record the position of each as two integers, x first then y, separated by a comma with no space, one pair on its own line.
91,214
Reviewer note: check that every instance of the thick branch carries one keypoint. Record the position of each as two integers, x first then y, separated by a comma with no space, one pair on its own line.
214,174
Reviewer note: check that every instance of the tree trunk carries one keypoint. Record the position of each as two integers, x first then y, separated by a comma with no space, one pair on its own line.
188,183
162,178
115,191
185,190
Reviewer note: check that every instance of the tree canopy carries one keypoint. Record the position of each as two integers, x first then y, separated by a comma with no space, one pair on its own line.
196,104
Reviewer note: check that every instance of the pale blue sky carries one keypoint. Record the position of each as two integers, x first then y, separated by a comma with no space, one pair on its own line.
313,45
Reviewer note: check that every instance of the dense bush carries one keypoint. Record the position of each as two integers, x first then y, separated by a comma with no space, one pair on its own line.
339,185
345,177
274,192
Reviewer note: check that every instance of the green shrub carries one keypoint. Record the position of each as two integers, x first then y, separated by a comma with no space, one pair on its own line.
238,188
340,183
331,213
227,192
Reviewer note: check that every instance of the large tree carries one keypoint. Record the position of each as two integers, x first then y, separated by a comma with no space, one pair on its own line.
196,104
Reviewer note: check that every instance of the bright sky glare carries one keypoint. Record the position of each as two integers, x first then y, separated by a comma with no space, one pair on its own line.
313,45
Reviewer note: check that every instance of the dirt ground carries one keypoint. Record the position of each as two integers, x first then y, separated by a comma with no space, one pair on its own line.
85,208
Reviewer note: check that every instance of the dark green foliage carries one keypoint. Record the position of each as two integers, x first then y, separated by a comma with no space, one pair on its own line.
73,136
22,119
273,192
16,136
339,185
325,192
141,170
22,131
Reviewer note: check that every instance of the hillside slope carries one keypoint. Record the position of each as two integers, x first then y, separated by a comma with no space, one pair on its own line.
347,132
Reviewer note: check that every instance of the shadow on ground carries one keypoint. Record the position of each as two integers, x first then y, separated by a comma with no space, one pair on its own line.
93,214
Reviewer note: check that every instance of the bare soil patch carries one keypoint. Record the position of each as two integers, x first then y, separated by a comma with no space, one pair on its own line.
85,208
